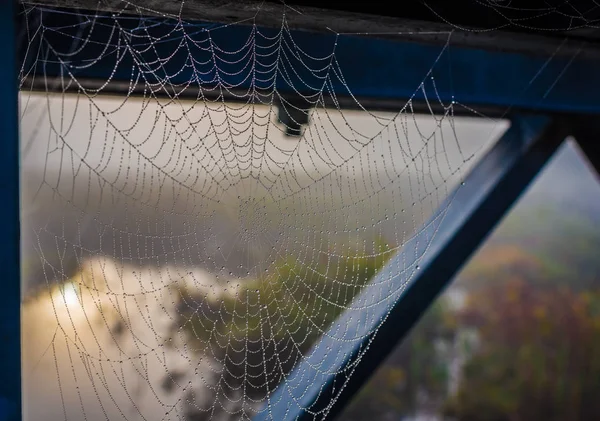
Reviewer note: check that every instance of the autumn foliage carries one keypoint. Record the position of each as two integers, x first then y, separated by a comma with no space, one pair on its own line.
538,356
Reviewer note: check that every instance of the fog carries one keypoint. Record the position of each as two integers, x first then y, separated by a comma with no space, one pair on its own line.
124,200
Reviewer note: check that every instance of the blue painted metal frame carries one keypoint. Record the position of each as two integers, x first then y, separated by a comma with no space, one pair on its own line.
340,363
360,339
10,294
396,71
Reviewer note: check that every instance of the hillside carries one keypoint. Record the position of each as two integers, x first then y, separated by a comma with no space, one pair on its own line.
553,231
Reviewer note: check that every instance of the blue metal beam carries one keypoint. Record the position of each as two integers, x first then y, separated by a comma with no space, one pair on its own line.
387,308
372,69
10,295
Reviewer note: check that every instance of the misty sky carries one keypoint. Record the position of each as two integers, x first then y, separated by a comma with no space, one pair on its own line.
129,147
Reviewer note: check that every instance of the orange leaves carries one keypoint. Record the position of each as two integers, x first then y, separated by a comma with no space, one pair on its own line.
496,262
539,351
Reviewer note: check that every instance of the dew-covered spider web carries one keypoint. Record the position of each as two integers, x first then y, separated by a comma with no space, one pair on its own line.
202,201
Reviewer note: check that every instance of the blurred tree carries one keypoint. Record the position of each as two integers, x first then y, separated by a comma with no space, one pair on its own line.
538,356
261,331
523,244
415,371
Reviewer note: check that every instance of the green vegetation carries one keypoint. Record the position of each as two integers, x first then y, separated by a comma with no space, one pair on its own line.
533,304
270,322
539,357
415,368
534,301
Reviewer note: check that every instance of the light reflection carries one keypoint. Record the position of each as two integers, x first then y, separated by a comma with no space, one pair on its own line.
68,294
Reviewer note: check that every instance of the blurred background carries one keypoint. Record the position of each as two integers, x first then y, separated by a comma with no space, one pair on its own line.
516,336
164,281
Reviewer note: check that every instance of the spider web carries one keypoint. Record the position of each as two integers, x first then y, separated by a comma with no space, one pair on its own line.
189,238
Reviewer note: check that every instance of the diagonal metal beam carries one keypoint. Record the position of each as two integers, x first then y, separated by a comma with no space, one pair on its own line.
391,304
10,298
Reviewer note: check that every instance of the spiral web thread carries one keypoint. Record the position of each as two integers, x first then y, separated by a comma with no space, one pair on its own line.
182,254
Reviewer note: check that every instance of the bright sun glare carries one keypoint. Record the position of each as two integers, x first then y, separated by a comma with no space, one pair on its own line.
69,294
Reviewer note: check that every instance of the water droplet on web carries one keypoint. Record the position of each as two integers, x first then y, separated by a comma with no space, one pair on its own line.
170,170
